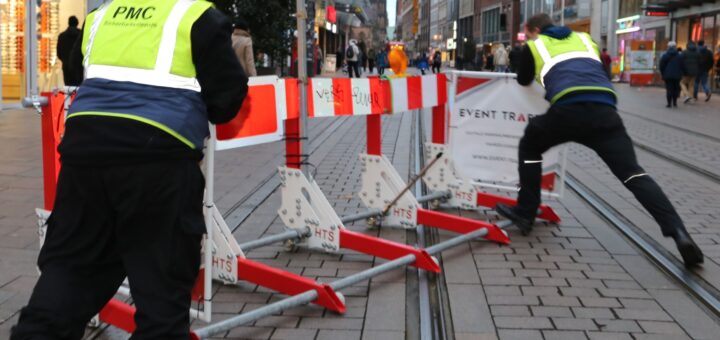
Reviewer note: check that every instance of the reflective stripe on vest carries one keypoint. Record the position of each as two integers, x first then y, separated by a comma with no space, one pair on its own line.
161,74
549,62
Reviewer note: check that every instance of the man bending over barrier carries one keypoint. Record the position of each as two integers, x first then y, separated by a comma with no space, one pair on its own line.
582,109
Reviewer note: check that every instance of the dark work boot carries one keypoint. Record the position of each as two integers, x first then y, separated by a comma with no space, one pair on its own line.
690,252
523,223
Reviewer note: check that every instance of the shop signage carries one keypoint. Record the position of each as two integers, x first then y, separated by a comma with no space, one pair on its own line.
628,24
656,13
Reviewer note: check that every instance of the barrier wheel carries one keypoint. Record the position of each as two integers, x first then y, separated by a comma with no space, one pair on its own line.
290,246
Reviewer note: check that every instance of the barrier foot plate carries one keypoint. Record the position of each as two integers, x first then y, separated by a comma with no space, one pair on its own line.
490,201
386,249
460,225
289,283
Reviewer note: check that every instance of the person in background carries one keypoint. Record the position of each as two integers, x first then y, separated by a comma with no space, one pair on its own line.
371,59
242,44
690,66
65,43
671,71
352,55
514,57
437,61
340,58
422,63
583,110
705,65
362,56
607,62
382,61
501,59
489,62
717,67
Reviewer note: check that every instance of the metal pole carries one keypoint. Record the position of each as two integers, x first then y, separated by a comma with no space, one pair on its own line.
309,296
301,15
31,54
562,12
288,235
209,224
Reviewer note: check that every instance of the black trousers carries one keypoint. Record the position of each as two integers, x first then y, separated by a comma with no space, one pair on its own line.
601,129
353,66
672,91
436,67
141,221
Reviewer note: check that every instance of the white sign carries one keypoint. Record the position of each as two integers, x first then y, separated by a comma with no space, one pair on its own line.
487,121
330,65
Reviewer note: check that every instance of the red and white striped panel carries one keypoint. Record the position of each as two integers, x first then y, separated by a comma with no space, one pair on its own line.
414,93
343,96
329,97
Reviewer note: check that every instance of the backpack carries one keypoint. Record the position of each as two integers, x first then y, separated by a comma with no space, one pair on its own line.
350,52
437,58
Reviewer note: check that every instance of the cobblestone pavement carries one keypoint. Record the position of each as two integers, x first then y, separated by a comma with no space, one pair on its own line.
578,280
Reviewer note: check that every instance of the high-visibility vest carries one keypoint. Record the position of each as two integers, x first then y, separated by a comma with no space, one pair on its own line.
568,65
138,64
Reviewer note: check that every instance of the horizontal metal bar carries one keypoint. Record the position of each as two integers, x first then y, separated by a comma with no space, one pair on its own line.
434,196
362,216
311,295
265,241
256,314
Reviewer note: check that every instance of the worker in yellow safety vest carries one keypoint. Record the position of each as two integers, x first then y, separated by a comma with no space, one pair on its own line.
130,191
582,109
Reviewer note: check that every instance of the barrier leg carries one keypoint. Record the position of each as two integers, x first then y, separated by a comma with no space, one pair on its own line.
490,201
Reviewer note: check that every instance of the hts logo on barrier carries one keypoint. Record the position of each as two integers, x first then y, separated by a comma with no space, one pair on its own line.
496,115
464,196
222,264
135,13
326,235
403,213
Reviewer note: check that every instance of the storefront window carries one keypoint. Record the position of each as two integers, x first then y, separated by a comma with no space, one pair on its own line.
682,32
709,31
52,20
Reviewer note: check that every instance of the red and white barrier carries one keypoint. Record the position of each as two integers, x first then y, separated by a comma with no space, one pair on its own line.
464,192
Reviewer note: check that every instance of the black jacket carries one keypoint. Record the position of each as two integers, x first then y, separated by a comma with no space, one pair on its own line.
66,42
690,60
671,65
115,140
706,60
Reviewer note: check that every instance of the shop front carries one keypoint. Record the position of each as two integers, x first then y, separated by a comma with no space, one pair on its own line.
52,17
700,23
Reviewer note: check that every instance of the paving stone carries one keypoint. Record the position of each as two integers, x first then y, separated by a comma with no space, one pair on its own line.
325,334
618,325
574,324
510,311
514,334
608,336
250,333
642,314
551,311
593,313
522,322
293,334
661,327
383,335
563,335
566,301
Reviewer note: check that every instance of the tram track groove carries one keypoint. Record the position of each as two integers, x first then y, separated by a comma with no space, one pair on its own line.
693,283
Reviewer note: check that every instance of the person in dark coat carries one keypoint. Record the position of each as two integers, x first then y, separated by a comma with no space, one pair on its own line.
340,58
515,57
66,41
671,71
704,66
607,62
691,67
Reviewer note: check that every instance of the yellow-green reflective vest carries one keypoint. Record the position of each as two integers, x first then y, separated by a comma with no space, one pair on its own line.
140,51
568,65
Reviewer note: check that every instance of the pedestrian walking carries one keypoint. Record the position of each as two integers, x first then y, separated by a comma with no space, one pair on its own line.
705,65
514,57
582,109
437,61
422,63
372,56
382,61
489,62
130,192
340,58
691,66
671,72
607,62
500,59
352,55
362,56
242,44
66,41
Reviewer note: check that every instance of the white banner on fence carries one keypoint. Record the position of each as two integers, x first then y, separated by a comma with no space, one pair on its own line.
488,116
